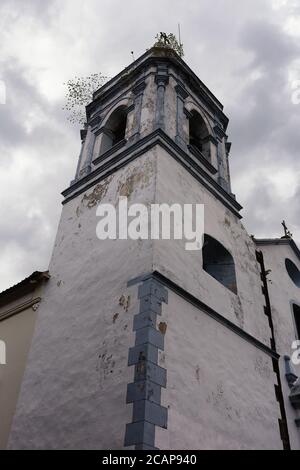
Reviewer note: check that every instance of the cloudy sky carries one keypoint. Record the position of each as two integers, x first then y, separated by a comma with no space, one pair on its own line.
247,52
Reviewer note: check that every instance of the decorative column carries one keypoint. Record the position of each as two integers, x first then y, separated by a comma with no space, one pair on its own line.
220,134
138,91
89,155
228,147
83,134
180,137
161,79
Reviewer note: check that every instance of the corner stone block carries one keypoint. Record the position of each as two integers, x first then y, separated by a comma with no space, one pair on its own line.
150,302
150,412
140,433
142,352
143,390
148,371
151,287
141,320
151,336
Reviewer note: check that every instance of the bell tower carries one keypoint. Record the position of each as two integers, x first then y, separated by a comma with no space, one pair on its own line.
140,343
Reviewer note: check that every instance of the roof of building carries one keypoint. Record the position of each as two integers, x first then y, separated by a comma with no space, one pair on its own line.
155,54
23,287
279,241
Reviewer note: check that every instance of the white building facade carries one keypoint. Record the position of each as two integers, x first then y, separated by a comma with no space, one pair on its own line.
142,344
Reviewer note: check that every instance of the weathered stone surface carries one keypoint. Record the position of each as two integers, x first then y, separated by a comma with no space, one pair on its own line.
74,390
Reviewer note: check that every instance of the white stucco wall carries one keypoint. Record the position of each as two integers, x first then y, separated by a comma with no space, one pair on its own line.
185,267
220,389
74,390
282,291
148,107
16,331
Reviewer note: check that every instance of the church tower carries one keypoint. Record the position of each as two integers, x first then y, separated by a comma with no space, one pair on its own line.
142,344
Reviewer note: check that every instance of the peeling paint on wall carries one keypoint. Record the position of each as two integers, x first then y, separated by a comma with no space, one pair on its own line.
138,178
124,301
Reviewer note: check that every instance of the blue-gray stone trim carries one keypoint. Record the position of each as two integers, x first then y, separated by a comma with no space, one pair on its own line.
140,434
88,164
145,392
187,113
146,61
171,285
109,102
133,151
219,132
83,133
211,138
138,92
110,151
161,79
182,94
181,91
95,120
83,137
196,152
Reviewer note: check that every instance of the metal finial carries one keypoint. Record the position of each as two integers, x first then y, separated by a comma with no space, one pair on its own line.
287,233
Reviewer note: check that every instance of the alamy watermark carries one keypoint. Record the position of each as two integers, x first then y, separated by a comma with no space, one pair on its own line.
156,221
2,353
2,92
295,357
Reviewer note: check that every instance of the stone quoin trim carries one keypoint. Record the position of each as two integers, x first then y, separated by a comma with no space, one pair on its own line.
171,285
145,392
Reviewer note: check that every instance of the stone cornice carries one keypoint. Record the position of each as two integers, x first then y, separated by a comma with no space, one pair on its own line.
131,152
169,284
220,133
278,241
162,75
187,113
181,91
210,138
139,87
228,147
93,106
194,151
83,133
19,308
109,152
95,120
155,57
